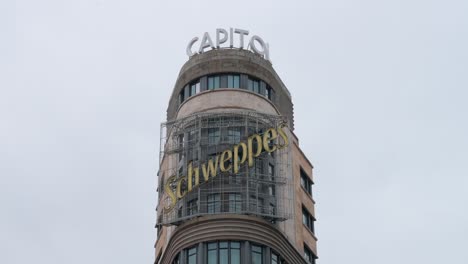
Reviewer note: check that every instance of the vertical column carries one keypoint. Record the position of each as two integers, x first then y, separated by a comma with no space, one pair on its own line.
266,255
201,257
183,257
246,257
244,78
203,83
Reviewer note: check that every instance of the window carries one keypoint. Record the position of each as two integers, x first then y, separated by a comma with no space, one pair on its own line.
224,252
213,136
192,255
194,88
180,141
271,209
308,255
235,252
192,207
214,203
257,254
253,85
234,135
176,260
181,97
271,175
274,258
256,171
192,137
213,82
235,202
233,81
268,92
271,171
307,219
306,182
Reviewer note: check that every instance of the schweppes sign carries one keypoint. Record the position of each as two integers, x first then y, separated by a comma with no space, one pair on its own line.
229,160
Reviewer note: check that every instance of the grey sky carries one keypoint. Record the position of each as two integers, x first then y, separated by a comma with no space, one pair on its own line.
380,99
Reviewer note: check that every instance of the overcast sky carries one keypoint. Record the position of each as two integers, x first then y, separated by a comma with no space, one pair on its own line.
380,100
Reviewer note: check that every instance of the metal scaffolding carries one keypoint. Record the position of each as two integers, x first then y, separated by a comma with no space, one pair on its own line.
263,189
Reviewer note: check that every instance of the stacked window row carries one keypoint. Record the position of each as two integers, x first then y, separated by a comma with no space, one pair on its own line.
231,203
228,252
231,80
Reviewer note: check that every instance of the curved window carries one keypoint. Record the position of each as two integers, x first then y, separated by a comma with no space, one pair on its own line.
308,255
213,82
192,255
214,203
230,252
257,254
224,252
229,80
233,81
253,85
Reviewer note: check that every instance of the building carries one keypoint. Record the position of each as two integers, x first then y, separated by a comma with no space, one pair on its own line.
234,186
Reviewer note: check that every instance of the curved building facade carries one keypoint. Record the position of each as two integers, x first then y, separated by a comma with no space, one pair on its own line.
234,186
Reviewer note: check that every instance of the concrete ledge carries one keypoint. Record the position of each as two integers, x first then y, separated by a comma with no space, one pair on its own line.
226,98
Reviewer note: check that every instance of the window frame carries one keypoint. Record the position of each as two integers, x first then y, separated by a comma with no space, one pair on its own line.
308,218
193,254
229,248
252,251
306,182
231,80
214,204
309,256
213,82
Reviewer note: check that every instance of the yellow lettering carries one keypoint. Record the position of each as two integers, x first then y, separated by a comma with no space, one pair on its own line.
258,151
284,136
191,172
237,163
267,138
212,168
181,194
170,193
225,156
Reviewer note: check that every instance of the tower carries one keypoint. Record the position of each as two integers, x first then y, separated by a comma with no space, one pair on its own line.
233,185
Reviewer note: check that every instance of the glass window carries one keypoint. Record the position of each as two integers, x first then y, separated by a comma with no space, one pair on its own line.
308,255
235,253
233,81
306,182
234,134
181,97
307,219
194,88
268,92
257,254
213,82
214,203
213,253
192,137
274,258
253,85
224,252
271,175
192,207
176,260
192,255
213,136
235,202
271,209
271,171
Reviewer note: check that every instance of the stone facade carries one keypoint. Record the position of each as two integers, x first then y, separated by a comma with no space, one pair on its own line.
284,238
